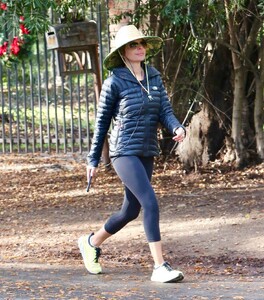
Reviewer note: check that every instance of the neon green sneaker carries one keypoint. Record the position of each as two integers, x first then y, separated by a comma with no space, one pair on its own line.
90,255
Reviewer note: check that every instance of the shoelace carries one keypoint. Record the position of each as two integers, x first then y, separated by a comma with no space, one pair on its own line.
97,254
167,266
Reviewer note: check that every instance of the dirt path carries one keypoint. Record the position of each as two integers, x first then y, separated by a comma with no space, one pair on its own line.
211,222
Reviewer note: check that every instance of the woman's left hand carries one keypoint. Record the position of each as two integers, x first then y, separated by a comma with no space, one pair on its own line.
179,135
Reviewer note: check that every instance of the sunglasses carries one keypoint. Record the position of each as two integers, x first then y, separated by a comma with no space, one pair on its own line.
134,45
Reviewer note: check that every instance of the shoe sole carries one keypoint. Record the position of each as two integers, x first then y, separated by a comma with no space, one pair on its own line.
176,279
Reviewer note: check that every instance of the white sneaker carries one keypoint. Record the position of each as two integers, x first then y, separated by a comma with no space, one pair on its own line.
165,273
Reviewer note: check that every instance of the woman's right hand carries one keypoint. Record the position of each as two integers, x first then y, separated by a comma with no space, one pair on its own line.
91,171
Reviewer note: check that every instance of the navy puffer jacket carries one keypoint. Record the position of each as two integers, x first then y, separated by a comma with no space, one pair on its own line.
136,117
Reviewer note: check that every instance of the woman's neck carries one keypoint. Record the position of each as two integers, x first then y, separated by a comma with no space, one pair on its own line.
137,70
139,73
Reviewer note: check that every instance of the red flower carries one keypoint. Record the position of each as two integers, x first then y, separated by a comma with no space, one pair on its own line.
3,48
20,45
24,29
15,46
3,6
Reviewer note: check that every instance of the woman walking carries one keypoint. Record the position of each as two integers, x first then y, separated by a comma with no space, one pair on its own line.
135,99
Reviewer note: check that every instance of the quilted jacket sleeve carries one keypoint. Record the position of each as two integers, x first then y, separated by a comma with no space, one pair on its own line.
107,101
167,117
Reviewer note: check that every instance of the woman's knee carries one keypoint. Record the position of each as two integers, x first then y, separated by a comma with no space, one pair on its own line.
132,214
151,207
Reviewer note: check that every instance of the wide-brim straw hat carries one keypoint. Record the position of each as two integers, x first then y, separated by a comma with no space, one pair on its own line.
127,34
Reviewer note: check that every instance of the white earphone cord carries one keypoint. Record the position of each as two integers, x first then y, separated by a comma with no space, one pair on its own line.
147,90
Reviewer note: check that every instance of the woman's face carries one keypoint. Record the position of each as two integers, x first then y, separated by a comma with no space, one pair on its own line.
135,51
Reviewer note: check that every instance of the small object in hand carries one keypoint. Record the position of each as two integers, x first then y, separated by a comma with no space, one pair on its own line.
89,184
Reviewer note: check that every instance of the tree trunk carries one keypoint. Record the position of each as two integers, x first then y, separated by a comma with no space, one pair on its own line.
239,96
208,128
258,118
259,106
239,86
97,88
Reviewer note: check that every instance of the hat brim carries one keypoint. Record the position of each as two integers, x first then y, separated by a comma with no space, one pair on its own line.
113,59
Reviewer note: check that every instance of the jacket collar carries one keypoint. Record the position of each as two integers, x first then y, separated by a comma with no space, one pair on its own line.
125,73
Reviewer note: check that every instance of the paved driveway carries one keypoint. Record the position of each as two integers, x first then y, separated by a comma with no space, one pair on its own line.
36,281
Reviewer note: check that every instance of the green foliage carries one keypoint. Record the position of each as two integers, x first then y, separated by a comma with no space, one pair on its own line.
237,5
20,23
176,11
35,13
261,7
71,10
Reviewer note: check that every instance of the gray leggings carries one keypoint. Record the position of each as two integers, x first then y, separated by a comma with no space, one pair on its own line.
135,173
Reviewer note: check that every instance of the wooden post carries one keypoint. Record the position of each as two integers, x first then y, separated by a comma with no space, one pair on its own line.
97,88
